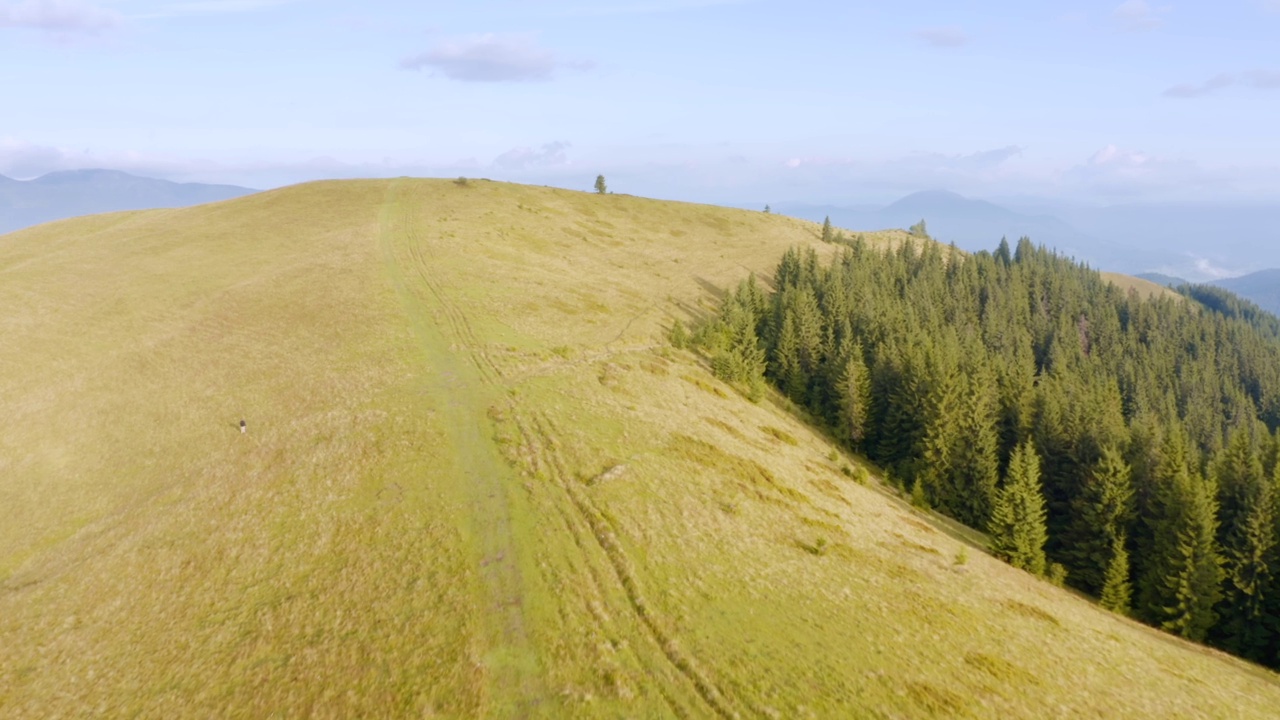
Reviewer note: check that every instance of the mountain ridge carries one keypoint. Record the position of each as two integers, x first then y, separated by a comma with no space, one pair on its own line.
1195,239
74,193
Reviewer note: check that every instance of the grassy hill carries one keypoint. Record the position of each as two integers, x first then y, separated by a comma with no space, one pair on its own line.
1144,287
477,482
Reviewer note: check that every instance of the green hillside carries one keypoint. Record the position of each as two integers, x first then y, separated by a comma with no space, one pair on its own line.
478,482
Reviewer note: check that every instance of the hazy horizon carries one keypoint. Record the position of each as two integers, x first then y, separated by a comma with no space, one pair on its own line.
1095,103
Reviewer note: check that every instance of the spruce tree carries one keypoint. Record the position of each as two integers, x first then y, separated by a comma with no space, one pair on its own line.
1115,587
1193,583
974,457
601,188
827,235
1101,516
1248,539
1018,518
855,398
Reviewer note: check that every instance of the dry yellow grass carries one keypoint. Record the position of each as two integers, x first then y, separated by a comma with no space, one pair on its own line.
1144,288
477,482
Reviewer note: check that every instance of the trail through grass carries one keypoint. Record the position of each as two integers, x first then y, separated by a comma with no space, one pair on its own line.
459,385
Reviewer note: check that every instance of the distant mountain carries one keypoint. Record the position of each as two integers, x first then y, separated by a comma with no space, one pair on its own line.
978,225
1261,287
1198,241
85,192
1194,240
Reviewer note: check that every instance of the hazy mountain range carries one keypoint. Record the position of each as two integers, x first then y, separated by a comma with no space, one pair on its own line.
59,195
1199,242
1262,287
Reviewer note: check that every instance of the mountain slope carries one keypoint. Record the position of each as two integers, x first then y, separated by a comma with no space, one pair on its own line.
477,482
975,224
84,192
1262,287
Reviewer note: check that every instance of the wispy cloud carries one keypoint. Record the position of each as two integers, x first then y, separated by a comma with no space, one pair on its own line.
58,17
491,57
188,8
943,37
1138,16
549,155
600,9
1190,90
1256,79
1207,269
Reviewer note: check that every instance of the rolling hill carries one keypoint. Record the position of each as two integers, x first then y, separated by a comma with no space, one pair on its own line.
478,482
73,193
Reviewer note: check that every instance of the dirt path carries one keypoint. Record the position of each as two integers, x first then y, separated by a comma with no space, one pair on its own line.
459,385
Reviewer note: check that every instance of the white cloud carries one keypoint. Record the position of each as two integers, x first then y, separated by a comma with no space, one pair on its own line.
60,17
1256,79
550,155
491,57
1207,269
605,9
943,37
214,7
1138,16
1191,90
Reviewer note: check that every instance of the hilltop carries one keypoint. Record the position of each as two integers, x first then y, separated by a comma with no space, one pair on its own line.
71,193
478,481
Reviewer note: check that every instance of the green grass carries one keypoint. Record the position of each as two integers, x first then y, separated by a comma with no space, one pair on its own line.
427,516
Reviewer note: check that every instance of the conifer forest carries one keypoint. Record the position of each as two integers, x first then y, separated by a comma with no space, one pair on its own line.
1125,443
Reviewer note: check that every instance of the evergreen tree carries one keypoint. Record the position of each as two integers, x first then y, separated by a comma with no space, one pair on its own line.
1018,519
1115,587
1101,514
1003,255
601,188
1248,540
826,230
1193,583
855,398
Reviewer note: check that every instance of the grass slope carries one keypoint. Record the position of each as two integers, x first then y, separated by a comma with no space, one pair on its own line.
1145,288
477,483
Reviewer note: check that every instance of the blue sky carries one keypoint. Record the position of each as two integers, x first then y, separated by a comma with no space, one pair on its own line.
721,101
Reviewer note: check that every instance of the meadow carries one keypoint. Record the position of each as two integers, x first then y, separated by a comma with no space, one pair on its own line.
478,481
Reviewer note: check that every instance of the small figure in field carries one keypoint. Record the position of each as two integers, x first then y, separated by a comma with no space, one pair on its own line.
243,427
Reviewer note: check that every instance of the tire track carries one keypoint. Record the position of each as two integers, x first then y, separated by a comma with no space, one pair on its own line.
583,538
458,323
540,433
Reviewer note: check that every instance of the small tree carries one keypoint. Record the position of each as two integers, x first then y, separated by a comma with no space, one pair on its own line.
827,235
1116,590
767,210
600,186
919,230
1017,526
